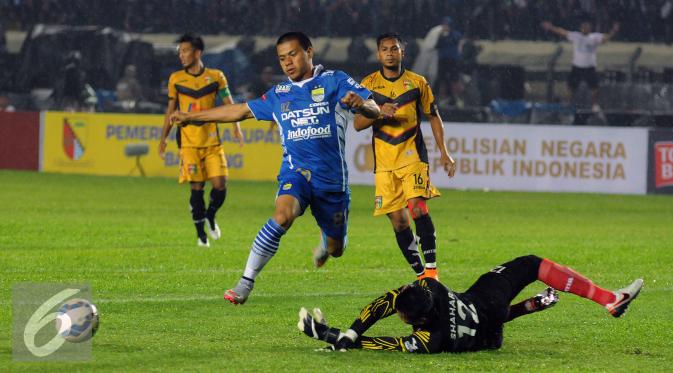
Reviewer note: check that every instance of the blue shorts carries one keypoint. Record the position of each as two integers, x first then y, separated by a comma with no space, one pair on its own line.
330,209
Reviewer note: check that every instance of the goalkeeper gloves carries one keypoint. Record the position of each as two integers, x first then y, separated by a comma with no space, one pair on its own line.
316,327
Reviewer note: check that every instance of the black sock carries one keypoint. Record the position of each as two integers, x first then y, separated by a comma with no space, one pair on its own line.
407,243
217,198
426,231
198,211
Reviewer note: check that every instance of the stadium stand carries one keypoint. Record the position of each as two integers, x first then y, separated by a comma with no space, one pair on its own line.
511,69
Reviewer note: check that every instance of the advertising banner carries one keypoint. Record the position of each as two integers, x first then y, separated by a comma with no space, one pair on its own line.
660,155
20,140
127,144
526,158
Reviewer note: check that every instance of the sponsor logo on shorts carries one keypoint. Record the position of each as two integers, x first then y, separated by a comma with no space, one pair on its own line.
663,164
305,173
287,186
191,168
378,202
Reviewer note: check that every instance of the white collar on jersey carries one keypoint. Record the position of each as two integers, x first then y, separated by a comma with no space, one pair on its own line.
317,69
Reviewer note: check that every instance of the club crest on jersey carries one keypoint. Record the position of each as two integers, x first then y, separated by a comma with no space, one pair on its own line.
318,94
207,79
284,107
283,88
408,84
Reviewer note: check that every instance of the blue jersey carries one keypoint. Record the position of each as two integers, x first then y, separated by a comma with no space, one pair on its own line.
312,124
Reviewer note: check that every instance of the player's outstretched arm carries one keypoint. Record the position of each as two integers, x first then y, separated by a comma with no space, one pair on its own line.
420,342
438,132
238,135
225,113
557,30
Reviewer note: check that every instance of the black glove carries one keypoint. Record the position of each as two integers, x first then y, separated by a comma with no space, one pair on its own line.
315,326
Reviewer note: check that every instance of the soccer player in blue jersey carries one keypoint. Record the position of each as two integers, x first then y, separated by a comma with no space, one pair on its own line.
312,109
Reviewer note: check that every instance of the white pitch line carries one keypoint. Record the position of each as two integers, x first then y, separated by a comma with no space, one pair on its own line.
219,297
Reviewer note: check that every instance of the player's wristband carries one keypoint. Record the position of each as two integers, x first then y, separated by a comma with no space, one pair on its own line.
350,333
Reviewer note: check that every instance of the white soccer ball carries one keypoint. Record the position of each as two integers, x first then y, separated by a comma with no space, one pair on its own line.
77,320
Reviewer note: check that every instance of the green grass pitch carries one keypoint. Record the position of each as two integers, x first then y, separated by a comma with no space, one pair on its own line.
160,296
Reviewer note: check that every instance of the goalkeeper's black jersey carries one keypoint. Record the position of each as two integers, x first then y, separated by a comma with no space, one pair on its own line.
455,317
453,326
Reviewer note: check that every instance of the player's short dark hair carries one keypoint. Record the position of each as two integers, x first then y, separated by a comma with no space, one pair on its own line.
299,36
415,302
195,40
389,35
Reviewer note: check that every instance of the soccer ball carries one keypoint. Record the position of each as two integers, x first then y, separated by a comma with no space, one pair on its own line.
77,320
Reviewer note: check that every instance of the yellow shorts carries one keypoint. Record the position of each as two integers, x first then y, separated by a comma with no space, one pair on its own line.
200,164
395,188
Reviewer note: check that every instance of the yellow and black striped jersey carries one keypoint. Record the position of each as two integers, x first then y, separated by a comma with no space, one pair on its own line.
398,141
451,326
196,93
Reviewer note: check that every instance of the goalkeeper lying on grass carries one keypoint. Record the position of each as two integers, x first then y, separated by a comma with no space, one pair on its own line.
446,321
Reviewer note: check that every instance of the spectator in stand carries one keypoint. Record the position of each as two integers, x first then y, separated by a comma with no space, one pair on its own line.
666,20
128,88
3,39
585,46
449,46
71,91
490,19
6,103
439,59
359,53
